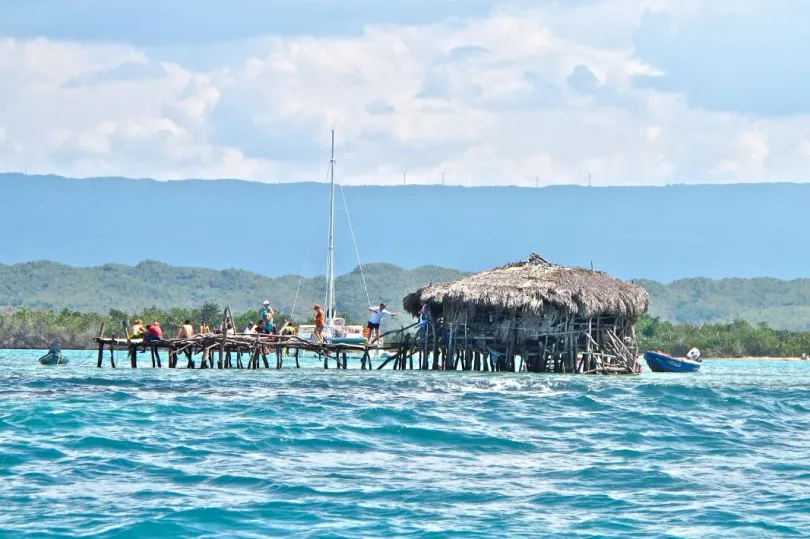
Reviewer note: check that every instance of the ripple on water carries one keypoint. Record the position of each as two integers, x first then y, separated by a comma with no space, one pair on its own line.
153,453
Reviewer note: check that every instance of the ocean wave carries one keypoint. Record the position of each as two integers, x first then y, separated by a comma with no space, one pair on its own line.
313,453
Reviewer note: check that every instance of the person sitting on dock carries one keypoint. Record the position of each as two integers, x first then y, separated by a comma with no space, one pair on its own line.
376,318
204,329
266,315
229,329
185,331
320,322
138,331
154,332
287,331
250,329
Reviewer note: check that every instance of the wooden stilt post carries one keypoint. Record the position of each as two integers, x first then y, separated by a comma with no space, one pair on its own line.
100,353
133,356
112,356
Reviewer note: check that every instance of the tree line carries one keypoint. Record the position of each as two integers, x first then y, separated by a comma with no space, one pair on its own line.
723,340
38,329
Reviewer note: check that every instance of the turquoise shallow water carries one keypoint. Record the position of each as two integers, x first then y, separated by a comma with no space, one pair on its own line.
312,453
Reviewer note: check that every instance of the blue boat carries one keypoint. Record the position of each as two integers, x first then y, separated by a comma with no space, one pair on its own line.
660,362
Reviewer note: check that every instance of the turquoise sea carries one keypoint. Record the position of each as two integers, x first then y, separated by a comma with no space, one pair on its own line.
88,452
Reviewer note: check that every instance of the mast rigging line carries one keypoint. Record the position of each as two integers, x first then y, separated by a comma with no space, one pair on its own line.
356,250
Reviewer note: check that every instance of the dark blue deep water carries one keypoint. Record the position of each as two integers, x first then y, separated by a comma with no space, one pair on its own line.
312,453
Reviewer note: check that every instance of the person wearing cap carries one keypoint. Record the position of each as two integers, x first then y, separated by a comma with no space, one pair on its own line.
376,318
320,322
267,315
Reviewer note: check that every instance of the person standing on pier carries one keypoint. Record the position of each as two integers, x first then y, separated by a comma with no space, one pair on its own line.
376,318
267,316
320,322
424,318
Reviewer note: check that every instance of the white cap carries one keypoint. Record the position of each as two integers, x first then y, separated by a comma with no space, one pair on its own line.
267,302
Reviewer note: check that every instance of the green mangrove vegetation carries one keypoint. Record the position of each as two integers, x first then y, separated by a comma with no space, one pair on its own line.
735,339
25,328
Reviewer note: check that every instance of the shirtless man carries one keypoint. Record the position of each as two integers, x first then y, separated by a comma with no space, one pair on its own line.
186,331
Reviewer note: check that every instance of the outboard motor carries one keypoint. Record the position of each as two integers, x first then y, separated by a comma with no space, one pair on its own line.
693,354
55,349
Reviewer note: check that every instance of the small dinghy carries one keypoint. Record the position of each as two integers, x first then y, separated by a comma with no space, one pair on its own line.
53,357
661,362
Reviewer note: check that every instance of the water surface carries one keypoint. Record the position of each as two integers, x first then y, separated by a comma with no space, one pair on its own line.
311,453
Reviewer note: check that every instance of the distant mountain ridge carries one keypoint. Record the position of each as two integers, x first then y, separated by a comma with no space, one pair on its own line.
780,304
662,233
48,285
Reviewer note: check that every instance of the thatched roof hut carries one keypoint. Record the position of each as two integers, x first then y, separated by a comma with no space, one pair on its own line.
533,287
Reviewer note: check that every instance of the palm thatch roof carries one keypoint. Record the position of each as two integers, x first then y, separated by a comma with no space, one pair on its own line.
535,285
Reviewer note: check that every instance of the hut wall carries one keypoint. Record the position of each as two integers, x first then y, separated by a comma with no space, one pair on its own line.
553,341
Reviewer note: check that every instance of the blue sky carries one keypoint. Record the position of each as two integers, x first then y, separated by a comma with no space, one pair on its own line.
486,92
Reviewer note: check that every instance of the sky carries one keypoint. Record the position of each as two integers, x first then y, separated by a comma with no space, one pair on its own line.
478,92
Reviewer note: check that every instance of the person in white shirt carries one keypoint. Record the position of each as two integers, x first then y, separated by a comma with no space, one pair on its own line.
376,318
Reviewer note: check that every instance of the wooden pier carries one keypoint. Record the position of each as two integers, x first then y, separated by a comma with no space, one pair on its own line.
256,351
530,315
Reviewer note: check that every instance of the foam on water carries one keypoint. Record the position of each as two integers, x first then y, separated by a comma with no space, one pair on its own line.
314,453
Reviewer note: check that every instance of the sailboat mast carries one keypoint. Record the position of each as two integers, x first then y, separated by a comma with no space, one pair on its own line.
330,264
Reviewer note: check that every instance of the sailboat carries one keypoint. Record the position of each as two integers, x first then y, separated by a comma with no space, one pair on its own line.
336,330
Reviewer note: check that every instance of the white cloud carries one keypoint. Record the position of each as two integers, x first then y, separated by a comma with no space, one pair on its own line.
528,91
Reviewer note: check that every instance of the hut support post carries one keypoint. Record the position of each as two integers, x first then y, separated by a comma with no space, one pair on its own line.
100,354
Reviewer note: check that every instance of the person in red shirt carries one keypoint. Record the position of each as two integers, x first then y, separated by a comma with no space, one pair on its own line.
154,332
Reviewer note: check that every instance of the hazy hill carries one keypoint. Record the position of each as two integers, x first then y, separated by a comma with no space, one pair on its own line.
48,285
660,233
780,304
